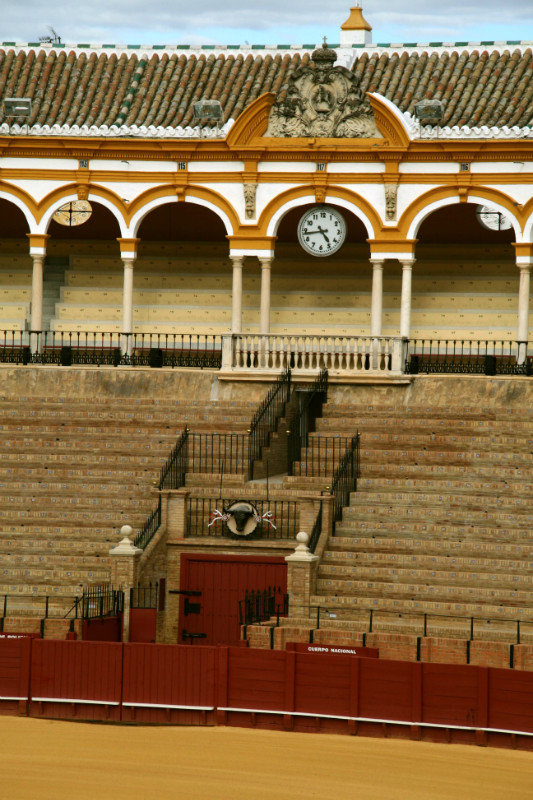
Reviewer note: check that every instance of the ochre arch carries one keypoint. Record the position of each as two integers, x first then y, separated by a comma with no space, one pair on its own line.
252,122
26,201
332,192
444,193
94,191
200,192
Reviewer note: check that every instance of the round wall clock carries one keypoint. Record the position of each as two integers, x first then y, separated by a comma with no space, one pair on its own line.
493,220
322,230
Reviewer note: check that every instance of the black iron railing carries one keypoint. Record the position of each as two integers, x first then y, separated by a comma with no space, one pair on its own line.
172,475
66,348
145,535
49,605
280,524
267,417
304,422
100,601
262,605
345,478
469,356
145,596
322,456
472,626
218,453
316,531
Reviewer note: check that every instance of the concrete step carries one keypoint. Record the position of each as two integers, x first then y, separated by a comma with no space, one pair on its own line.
413,499
428,546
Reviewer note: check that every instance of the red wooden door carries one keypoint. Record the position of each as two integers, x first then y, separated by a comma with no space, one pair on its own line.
222,581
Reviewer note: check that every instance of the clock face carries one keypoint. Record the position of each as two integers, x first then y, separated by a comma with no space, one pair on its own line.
493,220
322,230
75,213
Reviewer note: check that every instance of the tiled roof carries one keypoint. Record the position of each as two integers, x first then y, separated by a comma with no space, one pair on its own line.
489,86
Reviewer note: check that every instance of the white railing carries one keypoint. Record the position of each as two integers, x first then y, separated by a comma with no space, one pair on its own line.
337,354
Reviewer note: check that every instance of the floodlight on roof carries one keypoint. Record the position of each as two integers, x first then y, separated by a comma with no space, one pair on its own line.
207,109
17,106
429,112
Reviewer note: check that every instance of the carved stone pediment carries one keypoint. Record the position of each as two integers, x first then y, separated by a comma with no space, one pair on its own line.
324,101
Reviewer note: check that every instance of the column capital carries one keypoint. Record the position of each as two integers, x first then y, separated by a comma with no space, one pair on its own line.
245,244
38,243
128,247
377,263
523,253
265,261
407,263
393,248
237,261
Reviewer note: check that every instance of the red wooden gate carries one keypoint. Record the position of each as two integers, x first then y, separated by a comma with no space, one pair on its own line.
222,581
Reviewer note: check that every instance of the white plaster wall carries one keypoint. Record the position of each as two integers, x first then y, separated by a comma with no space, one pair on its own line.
38,163
37,189
519,193
127,190
357,168
132,166
409,192
373,193
215,166
287,166
517,167
429,168
267,191
232,192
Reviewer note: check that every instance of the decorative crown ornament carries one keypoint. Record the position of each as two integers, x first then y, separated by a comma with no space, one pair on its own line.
322,100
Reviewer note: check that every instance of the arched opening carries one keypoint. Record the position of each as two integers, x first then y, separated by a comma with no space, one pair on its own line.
82,279
320,295
15,268
465,281
182,277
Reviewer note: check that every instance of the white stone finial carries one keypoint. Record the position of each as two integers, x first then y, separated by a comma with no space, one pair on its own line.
301,551
356,29
125,547
126,530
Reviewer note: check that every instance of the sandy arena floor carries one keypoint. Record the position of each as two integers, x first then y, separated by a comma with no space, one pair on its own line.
48,760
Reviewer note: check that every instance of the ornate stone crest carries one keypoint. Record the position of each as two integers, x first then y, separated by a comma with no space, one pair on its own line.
322,100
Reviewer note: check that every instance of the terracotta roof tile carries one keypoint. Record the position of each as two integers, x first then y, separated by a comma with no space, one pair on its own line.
492,87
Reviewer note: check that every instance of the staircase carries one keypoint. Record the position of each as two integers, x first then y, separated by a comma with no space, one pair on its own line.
72,471
441,522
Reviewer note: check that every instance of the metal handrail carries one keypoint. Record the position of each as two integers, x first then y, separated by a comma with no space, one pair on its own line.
266,418
305,421
345,478
172,475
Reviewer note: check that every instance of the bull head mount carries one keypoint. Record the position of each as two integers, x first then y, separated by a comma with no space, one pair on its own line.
242,519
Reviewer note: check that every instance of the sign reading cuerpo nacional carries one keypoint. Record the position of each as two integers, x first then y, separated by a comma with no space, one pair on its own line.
322,100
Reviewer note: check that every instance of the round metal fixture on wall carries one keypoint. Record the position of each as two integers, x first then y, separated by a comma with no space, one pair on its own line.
322,231
493,220
75,213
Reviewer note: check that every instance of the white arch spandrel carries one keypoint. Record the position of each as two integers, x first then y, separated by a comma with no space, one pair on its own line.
16,201
96,198
162,201
310,198
450,201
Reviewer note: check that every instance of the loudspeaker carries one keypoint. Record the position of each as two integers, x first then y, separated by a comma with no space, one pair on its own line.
155,357
26,355
65,357
490,365
117,356
414,365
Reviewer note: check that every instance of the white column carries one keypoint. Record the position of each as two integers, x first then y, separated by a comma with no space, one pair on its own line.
236,295
127,296
37,293
405,305
376,313
523,312
264,320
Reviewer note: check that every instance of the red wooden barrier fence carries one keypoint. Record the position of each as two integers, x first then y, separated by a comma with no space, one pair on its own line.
76,680
167,683
266,688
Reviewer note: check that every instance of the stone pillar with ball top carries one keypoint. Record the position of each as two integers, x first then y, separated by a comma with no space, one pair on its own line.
301,576
125,572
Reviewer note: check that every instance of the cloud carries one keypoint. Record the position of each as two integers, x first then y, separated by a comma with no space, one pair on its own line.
138,21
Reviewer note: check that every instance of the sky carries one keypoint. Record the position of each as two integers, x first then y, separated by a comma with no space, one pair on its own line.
273,22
